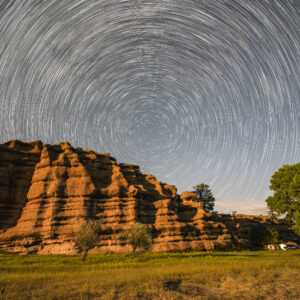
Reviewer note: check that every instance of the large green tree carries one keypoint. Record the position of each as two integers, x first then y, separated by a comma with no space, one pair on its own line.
205,196
286,186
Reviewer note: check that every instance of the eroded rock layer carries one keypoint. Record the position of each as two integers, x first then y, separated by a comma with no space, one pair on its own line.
47,191
17,164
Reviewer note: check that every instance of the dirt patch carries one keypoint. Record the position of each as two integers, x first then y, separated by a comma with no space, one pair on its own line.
193,289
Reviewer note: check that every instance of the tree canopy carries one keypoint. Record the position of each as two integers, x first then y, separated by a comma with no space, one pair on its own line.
297,220
87,237
138,237
205,196
286,186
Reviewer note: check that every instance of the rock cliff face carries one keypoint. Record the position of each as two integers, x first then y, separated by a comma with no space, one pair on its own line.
47,191
17,163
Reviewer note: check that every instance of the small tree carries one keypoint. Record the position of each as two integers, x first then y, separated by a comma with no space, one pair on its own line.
138,237
87,237
205,196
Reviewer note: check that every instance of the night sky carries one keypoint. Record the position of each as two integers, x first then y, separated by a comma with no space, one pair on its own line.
192,91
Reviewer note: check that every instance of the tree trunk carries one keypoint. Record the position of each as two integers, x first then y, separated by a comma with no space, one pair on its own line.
84,255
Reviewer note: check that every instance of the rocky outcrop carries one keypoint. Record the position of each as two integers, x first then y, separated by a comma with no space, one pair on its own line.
17,163
47,191
236,229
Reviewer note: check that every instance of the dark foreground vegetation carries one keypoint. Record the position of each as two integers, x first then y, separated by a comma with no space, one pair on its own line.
188,275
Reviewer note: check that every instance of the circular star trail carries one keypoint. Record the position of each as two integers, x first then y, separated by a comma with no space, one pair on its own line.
192,91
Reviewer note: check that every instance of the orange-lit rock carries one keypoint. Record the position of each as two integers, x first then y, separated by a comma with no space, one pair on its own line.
47,191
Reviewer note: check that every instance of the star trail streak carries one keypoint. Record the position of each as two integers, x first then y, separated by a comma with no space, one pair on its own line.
192,91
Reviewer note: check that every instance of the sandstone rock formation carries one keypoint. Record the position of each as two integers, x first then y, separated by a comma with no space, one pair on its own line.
47,191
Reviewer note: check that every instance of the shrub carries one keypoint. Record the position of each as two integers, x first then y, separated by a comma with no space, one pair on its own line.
138,237
87,237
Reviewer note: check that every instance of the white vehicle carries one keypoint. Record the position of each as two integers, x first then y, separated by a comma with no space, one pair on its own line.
292,247
282,246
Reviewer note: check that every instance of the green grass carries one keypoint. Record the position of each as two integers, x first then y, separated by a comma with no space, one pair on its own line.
198,275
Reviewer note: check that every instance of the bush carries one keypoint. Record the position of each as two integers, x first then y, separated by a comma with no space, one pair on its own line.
87,237
138,237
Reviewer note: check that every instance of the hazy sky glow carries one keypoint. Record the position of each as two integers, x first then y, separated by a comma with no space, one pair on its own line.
192,91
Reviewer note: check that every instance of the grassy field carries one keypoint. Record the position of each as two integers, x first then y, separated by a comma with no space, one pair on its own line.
188,275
